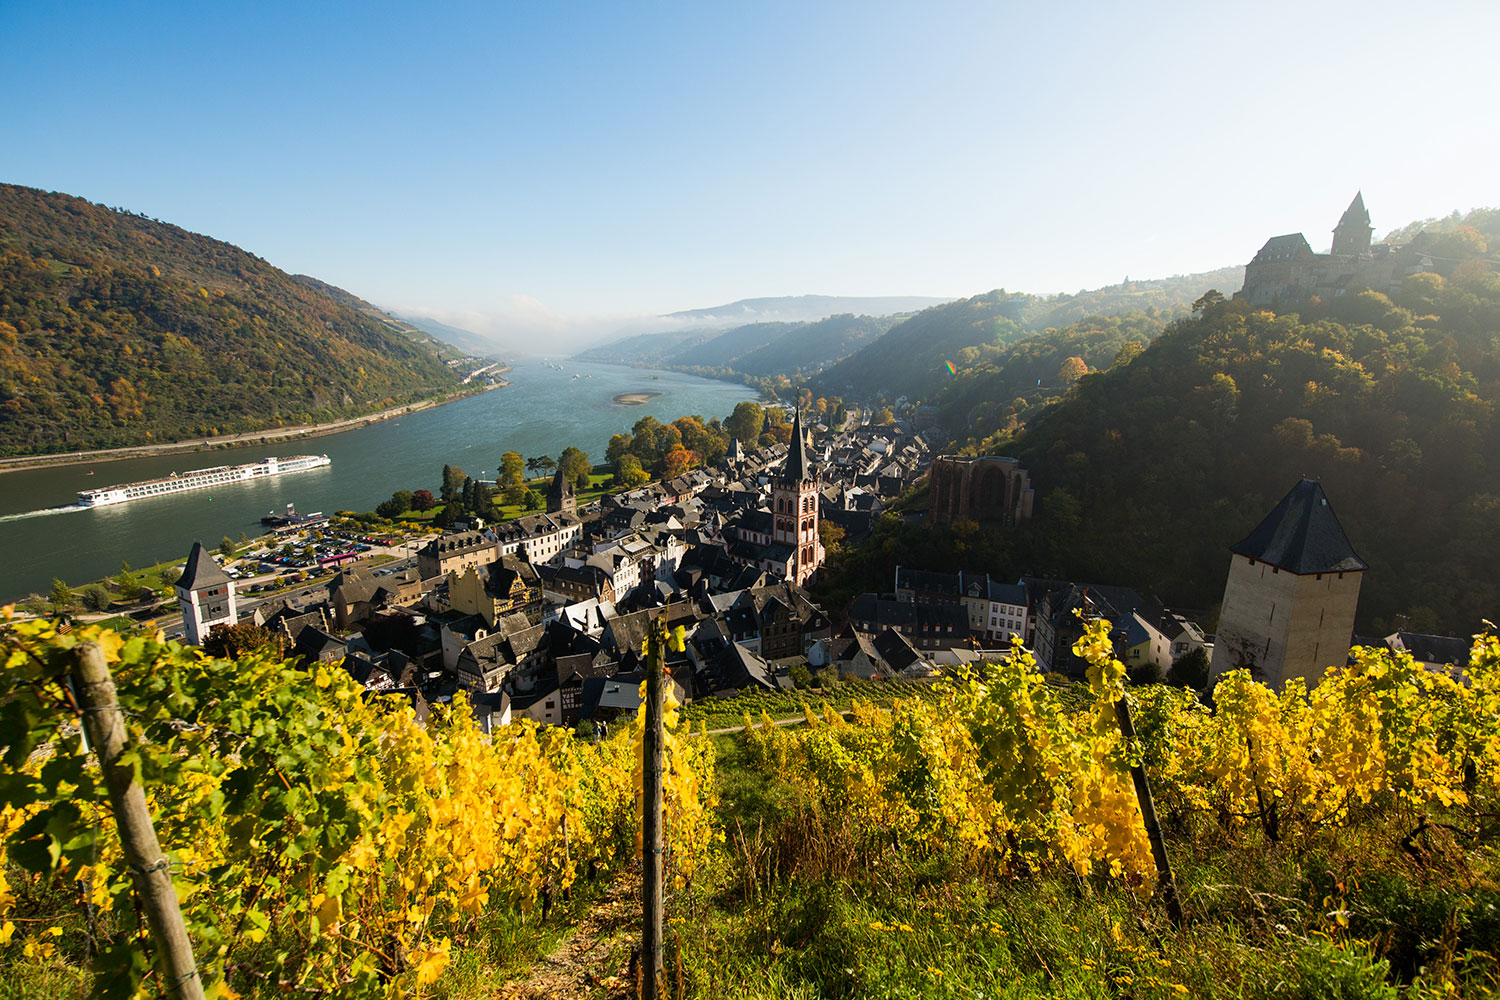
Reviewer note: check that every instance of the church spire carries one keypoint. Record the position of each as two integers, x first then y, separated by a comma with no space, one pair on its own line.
799,466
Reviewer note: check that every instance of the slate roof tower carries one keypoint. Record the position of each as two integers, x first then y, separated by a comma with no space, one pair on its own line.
1351,237
1292,592
562,498
206,595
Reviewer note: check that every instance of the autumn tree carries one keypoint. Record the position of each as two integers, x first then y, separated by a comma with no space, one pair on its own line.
512,469
629,473
677,461
1072,370
422,501
233,641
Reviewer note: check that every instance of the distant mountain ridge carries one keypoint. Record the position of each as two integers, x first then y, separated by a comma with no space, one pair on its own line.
804,308
116,329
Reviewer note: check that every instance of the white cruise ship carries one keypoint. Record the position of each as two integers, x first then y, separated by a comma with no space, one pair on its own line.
200,478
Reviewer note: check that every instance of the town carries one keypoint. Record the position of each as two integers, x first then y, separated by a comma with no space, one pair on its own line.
542,616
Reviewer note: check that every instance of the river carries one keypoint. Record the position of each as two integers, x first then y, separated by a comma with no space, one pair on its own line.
542,412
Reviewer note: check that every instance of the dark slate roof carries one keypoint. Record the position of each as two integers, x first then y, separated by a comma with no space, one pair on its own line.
1356,214
1302,535
798,465
1292,246
201,571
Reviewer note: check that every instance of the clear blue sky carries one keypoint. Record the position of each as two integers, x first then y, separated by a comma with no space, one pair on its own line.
550,168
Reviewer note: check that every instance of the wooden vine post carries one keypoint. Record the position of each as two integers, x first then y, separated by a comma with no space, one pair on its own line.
104,726
1148,815
651,815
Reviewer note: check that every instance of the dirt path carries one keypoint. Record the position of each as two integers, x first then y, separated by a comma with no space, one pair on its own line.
593,961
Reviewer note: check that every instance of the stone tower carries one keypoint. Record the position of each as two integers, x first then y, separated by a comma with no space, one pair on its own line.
206,596
1351,237
561,497
1293,588
794,506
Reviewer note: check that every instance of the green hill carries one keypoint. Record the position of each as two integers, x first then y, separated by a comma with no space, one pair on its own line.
813,345
1147,472
723,349
912,359
116,329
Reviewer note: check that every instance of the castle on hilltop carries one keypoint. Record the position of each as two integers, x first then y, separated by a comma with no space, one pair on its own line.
1287,270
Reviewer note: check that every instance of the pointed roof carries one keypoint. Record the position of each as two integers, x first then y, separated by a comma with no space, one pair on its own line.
798,465
201,570
1356,214
1302,535
561,486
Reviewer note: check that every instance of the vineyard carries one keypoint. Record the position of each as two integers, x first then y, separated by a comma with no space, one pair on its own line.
980,838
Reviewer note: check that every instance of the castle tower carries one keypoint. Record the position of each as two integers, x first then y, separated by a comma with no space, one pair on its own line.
1351,237
561,497
794,507
206,596
1292,591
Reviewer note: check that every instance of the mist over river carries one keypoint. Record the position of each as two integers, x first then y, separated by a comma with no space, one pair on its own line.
542,412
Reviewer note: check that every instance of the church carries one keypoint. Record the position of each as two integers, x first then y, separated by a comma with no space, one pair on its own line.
1287,271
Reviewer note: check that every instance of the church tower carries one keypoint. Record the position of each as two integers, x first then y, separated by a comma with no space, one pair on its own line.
794,507
1351,237
1293,588
206,596
561,497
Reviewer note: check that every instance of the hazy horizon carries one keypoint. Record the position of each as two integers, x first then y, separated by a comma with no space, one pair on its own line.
564,175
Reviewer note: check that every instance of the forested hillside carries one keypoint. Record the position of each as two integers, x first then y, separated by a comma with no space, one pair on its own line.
1149,471
913,358
117,330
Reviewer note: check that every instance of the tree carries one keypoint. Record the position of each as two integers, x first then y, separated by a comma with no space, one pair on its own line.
512,469
885,417
677,461
619,444
532,500
453,481
1208,300
451,514
60,596
1072,370
831,535
576,466
399,503
629,473
1190,670
746,420
96,597
423,500
515,494
128,583
226,547
232,641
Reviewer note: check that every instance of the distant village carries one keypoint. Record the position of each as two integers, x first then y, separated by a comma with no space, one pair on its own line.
543,616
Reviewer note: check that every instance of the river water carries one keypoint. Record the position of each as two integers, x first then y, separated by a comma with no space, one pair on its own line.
542,412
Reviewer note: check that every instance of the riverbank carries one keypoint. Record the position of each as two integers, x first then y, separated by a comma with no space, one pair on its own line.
267,436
